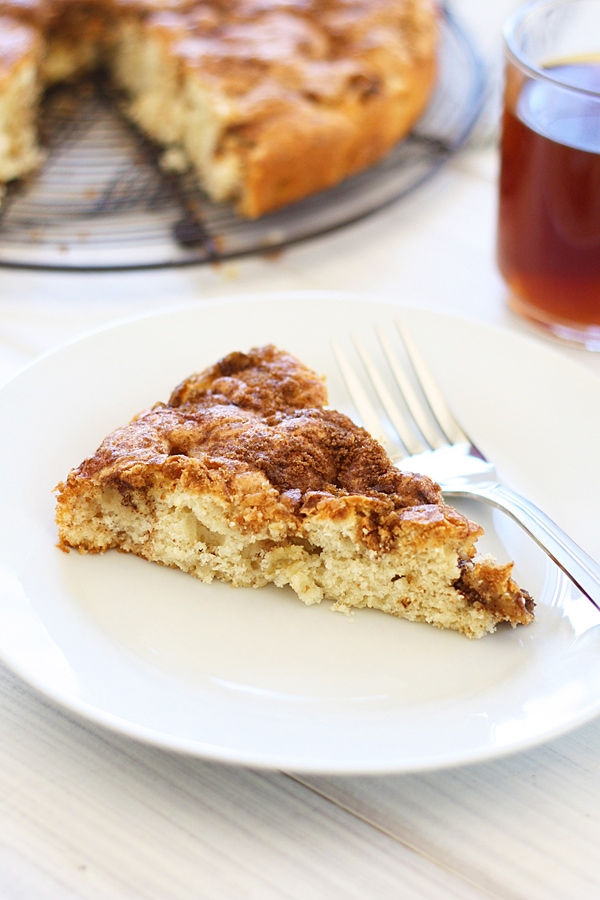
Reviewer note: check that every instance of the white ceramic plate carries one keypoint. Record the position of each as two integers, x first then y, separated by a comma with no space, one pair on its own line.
256,677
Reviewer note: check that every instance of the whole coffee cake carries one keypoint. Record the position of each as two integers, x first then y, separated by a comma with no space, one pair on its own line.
267,101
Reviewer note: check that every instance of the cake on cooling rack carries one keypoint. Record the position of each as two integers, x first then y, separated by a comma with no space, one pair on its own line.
268,101
245,475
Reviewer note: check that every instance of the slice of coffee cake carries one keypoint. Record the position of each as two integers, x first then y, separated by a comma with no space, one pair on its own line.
244,475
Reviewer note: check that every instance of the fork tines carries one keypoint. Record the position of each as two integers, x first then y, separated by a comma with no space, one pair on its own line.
401,405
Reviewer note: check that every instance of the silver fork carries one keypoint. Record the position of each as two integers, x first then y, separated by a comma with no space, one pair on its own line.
428,439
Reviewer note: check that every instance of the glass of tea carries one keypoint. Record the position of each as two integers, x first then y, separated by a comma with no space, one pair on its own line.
549,202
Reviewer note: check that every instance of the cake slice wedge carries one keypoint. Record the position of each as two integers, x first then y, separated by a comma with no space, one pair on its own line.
245,475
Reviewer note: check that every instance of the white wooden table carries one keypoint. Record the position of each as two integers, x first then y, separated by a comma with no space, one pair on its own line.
85,813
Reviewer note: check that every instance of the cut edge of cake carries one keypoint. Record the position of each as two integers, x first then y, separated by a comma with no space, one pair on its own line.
20,58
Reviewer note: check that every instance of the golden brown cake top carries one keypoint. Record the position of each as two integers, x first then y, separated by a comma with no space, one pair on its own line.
265,380
27,10
316,50
264,412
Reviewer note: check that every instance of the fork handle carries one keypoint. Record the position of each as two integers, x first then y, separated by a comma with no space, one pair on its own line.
583,571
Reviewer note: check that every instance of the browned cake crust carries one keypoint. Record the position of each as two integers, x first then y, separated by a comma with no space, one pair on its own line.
268,101
246,476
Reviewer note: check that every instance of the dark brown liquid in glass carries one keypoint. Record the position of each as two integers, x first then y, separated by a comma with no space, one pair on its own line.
549,214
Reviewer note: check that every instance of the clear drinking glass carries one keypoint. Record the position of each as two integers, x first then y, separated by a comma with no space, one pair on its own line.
549,201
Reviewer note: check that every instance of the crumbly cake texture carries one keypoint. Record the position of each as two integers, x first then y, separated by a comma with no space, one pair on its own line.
268,101
246,476
20,56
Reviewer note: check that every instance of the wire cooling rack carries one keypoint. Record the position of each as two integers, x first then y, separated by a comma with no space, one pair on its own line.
102,201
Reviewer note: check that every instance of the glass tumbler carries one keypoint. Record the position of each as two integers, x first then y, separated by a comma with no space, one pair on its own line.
549,198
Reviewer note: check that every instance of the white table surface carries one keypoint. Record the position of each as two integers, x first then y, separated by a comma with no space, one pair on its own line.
84,813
